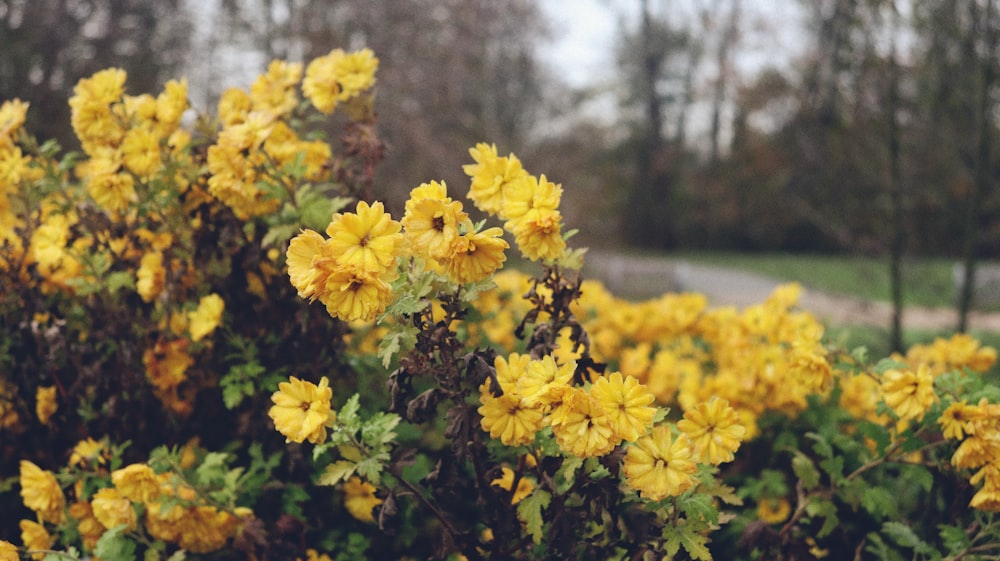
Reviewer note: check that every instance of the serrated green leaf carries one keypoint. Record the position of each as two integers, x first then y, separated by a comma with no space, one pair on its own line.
335,472
805,470
350,452
699,507
399,340
879,502
820,444
888,364
954,538
834,467
119,280
595,469
566,474
113,545
822,508
213,467
905,536
279,234
347,417
695,545
878,433
377,431
371,468
529,511
682,536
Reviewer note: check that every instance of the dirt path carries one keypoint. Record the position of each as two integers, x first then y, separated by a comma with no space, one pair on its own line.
645,277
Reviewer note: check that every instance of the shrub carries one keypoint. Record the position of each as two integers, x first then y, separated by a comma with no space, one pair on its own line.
170,387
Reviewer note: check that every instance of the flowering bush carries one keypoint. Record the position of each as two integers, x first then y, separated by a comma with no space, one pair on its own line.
170,389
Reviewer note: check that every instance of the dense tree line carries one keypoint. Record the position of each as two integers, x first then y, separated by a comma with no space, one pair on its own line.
877,139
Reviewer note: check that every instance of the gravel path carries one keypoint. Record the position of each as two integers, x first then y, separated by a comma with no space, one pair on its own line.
646,277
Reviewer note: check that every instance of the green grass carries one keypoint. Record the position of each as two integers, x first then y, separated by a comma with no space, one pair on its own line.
926,282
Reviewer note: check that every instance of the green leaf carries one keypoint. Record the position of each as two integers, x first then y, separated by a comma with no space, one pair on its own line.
347,417
954,538
530,510
115,546
906,537
698,506
821,445
213,467
398,340
566,474
119,280
377,432
337,471
805,470
683,536
371,468
879,502
888,364
292,499
834,467
822,508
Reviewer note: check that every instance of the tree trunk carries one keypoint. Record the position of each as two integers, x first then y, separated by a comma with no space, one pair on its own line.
983,183
897,213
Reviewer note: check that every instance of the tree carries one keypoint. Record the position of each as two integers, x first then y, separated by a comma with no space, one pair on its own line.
453,72
46,46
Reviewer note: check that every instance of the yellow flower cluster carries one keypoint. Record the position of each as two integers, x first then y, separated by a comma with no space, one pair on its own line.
586,422
956,352
257,143
439,231
350,271
15,168
977,427
529,204
124,136
360,499
190,523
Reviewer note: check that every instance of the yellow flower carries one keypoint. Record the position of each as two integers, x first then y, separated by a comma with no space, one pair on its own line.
508,417
88,452
45,403
431,220
506,481
274,91
355,295
112,191
8,552
490,175
48,241
12,115
627,403
321,85
234,104
111,509
313,555
301,410
355,72
773,510
87,524
360,499
368,239
582,426
530,193
136,482
207,317
715,430
41,493
167,363
988,497
477,255
151,276
957,420
141,151
538,234
909,394
540,381
171,105
35,537
306,255
657,466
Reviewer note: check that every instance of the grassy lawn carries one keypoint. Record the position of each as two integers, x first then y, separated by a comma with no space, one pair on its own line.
926,282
